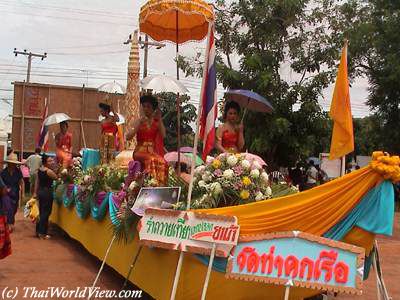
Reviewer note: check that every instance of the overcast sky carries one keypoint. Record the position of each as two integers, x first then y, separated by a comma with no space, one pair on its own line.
84,41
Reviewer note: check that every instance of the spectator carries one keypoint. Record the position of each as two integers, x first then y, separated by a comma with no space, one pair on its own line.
296,175
44,193
33,162
5,242
13,179
312,176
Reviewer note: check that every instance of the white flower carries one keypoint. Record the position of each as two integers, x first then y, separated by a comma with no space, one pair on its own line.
268,192
86,178
64,172
90,188
209,159
232,160
255,173
202,183
256,165
216,188
122,185
228,174
245,164
133,185
264,177
206,176
200,169
260,196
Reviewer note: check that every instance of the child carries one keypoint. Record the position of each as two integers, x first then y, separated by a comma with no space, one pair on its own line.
5,242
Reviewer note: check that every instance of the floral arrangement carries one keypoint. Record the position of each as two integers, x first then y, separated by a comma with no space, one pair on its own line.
229,179
386,165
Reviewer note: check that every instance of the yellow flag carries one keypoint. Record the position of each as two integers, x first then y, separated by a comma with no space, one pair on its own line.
342,136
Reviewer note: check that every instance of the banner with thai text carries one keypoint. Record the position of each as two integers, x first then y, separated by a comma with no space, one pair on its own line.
298,259
188,231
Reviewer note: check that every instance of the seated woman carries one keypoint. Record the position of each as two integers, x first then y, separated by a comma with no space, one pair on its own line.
150,133
109,130
229,135
64,146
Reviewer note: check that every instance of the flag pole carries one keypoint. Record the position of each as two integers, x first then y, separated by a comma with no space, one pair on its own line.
343,166
193,164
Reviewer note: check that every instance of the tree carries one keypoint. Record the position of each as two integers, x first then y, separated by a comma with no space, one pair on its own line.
372,29
167,102
268,38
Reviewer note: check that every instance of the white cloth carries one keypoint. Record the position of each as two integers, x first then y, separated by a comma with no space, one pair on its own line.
34,162
312,175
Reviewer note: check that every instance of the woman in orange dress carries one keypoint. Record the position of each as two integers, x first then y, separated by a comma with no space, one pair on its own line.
109,130
229,136
64,146
150,133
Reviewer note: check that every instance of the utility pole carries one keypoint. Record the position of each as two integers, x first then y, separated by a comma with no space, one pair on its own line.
145,45
30,55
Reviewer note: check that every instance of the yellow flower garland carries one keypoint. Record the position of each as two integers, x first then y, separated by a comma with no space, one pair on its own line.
386,165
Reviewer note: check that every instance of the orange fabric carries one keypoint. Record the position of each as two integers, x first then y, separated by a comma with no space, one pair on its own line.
150,152
63,149
342,136
314,211
158,19
230,139
360,238
108,127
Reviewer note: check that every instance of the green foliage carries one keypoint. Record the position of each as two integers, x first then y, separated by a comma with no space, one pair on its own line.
168,108
273,40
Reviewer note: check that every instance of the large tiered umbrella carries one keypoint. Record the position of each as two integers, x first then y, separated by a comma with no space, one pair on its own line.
177,21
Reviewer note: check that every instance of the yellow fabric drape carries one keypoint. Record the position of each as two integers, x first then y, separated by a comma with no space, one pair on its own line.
314,211
342,136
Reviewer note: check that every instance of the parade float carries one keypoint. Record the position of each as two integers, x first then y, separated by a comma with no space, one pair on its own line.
260,240
351,209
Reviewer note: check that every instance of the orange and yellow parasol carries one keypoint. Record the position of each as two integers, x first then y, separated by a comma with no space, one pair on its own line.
177,21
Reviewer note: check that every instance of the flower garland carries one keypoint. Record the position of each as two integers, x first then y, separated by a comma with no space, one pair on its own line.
386,165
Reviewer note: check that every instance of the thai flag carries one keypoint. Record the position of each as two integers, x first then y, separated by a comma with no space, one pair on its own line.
43,137
209,96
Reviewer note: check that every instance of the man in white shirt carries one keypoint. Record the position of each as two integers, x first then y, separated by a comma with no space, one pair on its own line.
312,176
34,162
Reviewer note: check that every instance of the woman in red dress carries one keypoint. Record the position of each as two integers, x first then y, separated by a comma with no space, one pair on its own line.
64,146
109,130
150,133
229,136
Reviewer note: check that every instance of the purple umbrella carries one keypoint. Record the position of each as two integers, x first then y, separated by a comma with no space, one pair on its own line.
249,100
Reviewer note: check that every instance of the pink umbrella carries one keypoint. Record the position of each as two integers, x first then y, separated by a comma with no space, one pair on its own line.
185,158
253,157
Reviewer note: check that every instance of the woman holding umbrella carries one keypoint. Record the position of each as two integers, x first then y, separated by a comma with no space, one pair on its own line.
64,146
150,133
229,136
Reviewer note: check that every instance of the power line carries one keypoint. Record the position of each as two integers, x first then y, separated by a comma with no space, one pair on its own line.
64,8
30,55
71,19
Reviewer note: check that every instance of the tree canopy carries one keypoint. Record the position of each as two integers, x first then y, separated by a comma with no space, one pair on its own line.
288,51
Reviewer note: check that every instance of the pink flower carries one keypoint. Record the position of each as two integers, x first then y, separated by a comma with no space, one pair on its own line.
238,170
218,173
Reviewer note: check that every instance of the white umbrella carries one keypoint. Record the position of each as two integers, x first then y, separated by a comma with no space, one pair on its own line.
163,84
56,119
121,118
112,87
